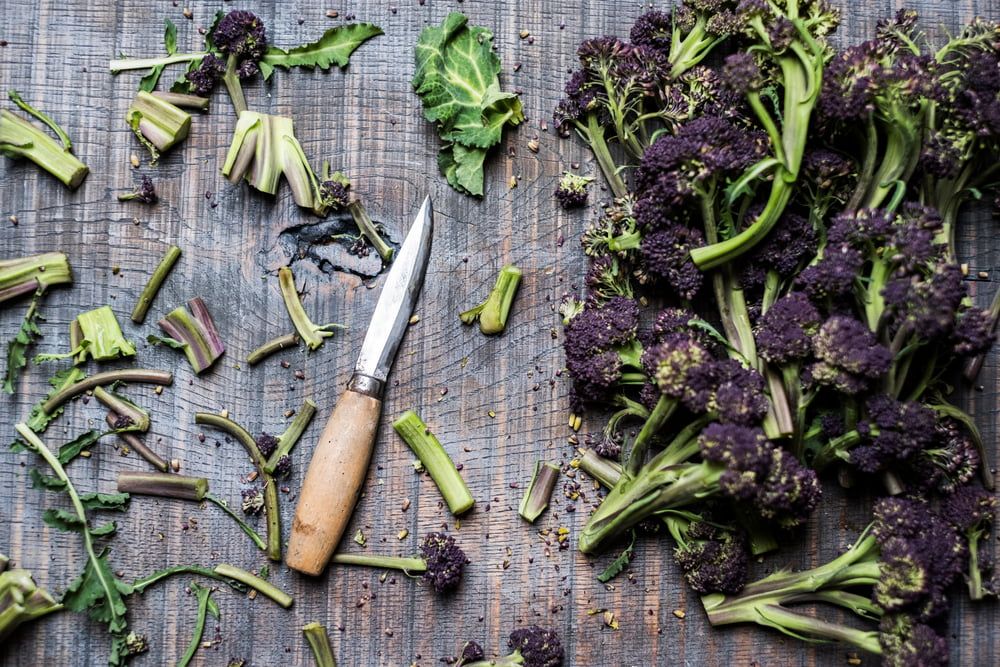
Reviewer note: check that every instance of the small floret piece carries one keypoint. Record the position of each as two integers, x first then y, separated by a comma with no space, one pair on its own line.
445,561
714,559
144,193
893,431
572,190
492,313
785,332
666,255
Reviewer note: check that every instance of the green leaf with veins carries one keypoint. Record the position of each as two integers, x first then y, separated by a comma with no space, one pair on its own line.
63,520
173,343
333,48
618,564
43,481
78,445
148,82
99,593
463,167
499,109
17,348
108,502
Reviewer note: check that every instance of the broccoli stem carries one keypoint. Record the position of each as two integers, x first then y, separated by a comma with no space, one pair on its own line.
21,599
319,643
183,100
152,288
137,445
539,491
288,439
664,408
270,488
24,275
312,335
761,537
233,86
204,599
688,52
145,375
974,364
902,148
244,526
20,138
835,449
414,565
123,408
606,472
158,124
593,134
975,576
193,326
253,581
123,64
493,313
108,588
273,346
163,485
436,461
369,231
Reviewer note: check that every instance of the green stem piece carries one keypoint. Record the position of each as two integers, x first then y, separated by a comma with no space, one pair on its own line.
492,314
436,461
319,642
158,124
164,485
270,488
123,64
87,383
15,97
25,275
151,289
20,138
369,231
183,100
537,495
244,526
410,565
205,606
271,347
233,86
253,581
288,439
137,445
312,334
122,407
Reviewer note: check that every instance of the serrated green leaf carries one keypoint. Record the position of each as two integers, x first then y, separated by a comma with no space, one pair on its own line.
98,593
618,564
463,167
172,343
48,482
104,529
78,445
333,48
17,348
117,502
62,520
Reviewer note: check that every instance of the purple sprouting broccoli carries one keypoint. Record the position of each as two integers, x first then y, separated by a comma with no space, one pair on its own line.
600,345
893,432
738,463
973,332
715,558
680,167
532,646
615,233
971,510
827,179
145,192
729,391
253,500
671,362
742,74
785,332
791,243
849,357
926,304
267,443
686,35
334,191
241,36
607,278
834,275
283,466
951,462
909,558
445,561
572,190
665,255
207,75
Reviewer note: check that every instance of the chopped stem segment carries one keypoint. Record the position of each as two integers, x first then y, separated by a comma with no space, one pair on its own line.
288,439
319,643
271,347
152,288
256,583
369,231
537,495
22,139
24,275
270,488
205,605
492,313
183,100
137,445
436,461
122,407
87,383
123,64
158,124
411,565
164,485
312,334
196,330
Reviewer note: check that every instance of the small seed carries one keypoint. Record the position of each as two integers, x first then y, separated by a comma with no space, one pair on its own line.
679,613
533,146
332,14
175,464
524,34
983,275
401,535
406,504
224,414
414,319
158,391
513,181
134,159
187,13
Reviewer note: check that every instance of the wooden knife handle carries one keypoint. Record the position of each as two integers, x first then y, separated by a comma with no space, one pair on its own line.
333,482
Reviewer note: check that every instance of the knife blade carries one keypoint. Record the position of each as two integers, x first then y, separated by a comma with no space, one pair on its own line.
340,461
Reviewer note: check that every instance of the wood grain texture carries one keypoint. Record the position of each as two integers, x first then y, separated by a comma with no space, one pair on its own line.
366,121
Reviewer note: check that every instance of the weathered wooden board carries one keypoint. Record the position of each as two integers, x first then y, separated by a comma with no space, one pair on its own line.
367,122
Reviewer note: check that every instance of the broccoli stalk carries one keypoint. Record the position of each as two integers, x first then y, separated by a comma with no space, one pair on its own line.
368,229
319,644
193,330
206,606
231,575
152,287
311,333
22,139
145,192
440,562
532,646
273,346
27,275
435,460
158,124
492,314
21,600
78,383
130,417
539,491
133,442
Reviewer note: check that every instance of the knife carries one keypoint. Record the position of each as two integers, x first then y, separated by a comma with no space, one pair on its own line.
340,461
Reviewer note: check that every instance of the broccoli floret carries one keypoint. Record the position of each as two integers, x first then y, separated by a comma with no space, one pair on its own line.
786,331
971,511
849,356
572,190
714,558
253,500
241,36
267,443
532,646
445,561
145,192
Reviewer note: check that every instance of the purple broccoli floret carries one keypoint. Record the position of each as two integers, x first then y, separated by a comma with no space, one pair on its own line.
671,362
267,443
849,356
973,332
241,34
927,304
666,255
835,274
653,29
572,190
741,73
471,652
714,559
204,78
952,461
253,500
600,340
737,397
908,643
786,331
894,431
537,647
145,192
445,561
787,247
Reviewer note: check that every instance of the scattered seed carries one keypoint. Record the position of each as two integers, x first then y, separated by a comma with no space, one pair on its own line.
158,391
414,319
224,414
965,268
188,14
492,414
524,34
13,220
85,454
175,464
983,275
406,504
513,181
252,477
332,14
853,659
134,159
533,146
115,270
679,613
610,620
401,535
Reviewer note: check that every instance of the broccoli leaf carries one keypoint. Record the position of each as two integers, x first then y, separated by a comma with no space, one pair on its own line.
333,48
457,81
172,343
99,593
117,502
42,481
17,348
78,445
148,82
63,520
618,564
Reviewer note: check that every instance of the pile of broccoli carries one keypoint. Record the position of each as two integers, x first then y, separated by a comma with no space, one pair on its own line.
775,298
